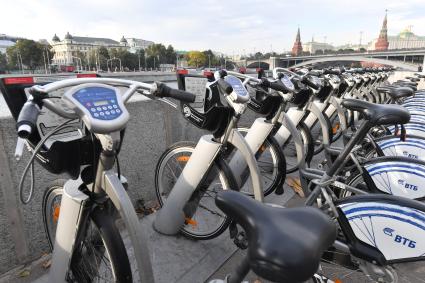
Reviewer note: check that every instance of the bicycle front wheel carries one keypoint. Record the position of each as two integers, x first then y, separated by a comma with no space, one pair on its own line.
99,253
272,165
51,208
203,219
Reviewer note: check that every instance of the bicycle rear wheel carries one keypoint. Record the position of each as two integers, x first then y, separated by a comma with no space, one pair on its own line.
203,219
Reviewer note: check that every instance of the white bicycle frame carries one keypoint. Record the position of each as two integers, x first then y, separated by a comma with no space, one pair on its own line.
74,202
170,218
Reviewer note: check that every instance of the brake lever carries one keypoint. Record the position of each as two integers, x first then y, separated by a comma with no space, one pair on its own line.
149,95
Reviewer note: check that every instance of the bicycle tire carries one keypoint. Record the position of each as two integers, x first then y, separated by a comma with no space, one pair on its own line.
51,208
112,242
224,172
109,233
288,148
278,163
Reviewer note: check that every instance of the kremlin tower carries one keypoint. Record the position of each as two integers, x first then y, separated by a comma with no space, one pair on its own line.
382,43
297,50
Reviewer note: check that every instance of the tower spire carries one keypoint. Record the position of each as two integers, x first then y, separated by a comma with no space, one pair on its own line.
297,49
382,43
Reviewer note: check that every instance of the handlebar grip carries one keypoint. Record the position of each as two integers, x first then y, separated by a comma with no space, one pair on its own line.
224,86
274,85
27,119
309,83
332,72
163,90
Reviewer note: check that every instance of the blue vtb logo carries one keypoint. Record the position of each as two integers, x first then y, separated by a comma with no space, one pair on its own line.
399,239
388,231
407,185
410,155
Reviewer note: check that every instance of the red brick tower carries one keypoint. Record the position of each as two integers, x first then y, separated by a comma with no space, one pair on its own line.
382,43
297,50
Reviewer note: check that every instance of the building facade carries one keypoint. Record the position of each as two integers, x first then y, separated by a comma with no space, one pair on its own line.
7,41
66,50
314,46
404,40
4,44
135,44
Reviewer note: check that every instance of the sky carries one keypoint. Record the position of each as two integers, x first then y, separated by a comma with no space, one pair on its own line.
231,26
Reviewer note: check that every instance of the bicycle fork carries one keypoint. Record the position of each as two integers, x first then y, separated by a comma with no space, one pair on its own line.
72,211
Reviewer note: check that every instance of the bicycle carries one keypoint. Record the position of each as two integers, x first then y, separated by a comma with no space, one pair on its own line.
187,199
87,244
373,253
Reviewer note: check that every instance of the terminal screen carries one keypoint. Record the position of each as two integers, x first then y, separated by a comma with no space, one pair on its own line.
236,85
100,103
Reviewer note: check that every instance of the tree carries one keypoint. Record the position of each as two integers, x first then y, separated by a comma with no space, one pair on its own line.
195,58
156,54
3,63
33,54
170,55
102,57
211,59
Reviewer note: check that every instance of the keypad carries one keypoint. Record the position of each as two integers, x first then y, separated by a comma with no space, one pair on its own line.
100,102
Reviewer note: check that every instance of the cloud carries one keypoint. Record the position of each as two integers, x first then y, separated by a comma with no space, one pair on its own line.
227,26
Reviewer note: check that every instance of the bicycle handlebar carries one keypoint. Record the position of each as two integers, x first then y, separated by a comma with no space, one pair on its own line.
163,90
274,85
224,86
306,80
27,120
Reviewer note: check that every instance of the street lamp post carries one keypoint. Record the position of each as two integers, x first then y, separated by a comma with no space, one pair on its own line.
18,55
48,60
120,64
107,65
44,60
139,59
111,59
78,66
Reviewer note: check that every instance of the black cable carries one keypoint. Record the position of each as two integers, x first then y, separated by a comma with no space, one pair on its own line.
94,160
118,167
30,164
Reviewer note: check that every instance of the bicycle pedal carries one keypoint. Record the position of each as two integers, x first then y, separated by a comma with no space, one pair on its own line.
241,240
279,191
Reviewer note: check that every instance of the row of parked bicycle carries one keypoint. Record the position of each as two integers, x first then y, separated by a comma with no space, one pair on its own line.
363,207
